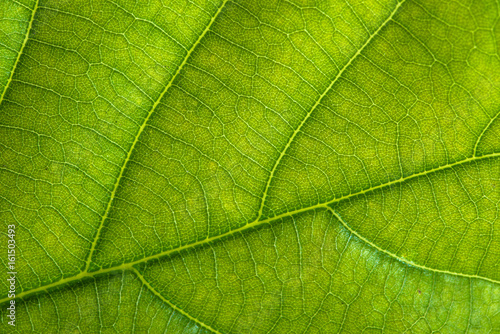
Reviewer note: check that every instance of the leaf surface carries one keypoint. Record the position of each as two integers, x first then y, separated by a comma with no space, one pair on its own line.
248,166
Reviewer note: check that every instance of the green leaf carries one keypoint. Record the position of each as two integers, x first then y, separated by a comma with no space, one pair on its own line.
251,166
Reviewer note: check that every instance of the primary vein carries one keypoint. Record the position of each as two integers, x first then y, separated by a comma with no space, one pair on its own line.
256,223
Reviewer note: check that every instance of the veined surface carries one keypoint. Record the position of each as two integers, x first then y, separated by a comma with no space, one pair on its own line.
248,166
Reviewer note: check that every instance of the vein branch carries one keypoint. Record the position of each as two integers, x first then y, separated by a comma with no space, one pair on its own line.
318,102
25,41
140,131
478,141
400,259
169,303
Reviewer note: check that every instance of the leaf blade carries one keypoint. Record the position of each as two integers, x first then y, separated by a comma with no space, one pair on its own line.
229,157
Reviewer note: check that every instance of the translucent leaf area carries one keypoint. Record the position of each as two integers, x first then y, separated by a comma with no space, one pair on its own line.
251,166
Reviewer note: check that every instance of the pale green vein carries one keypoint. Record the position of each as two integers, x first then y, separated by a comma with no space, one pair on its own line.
256,223
169,303
25,41
410,263
318,101
484,131
139,132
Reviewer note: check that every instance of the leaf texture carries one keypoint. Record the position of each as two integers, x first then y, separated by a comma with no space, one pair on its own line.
249,166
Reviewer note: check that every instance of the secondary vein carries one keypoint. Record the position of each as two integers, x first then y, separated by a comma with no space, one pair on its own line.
318,101
169,303
30,25
140,131
480,137
400,259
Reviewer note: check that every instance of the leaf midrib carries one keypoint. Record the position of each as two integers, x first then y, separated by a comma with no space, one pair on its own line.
257,223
